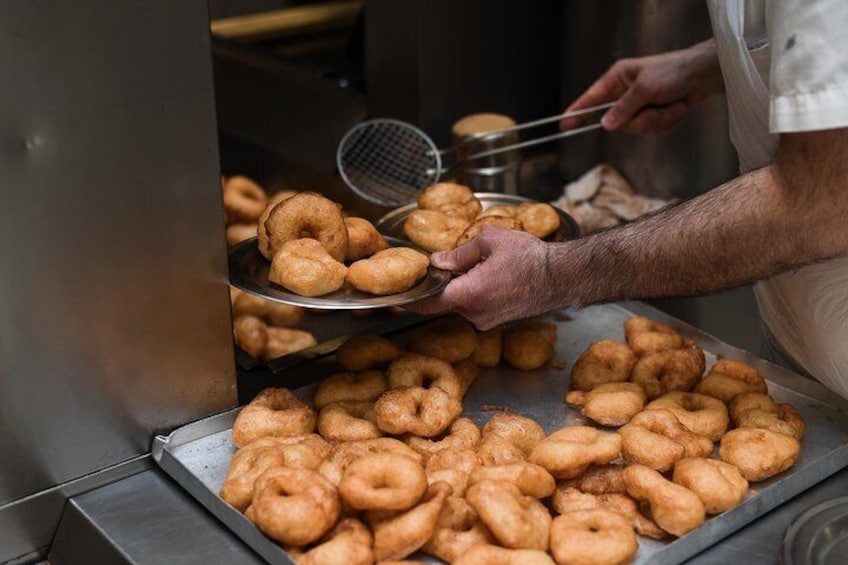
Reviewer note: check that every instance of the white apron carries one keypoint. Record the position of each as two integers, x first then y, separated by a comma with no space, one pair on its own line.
806,310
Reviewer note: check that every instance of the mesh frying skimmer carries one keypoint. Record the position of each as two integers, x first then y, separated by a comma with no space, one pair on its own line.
390,162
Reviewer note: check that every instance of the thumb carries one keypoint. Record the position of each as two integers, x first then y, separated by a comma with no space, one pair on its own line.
462,258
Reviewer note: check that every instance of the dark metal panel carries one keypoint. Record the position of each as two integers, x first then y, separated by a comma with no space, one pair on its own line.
114,316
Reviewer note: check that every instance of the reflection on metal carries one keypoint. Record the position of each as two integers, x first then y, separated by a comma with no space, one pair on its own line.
287,21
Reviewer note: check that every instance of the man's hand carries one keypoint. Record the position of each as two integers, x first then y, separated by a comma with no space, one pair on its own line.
505,276
653,92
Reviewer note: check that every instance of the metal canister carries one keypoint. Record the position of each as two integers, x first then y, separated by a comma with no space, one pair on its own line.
477,133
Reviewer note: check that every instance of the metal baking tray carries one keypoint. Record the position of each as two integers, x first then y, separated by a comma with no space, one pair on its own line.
197,455
392,223
819,536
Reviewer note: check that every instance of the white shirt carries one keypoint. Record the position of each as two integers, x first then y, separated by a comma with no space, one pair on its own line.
785,67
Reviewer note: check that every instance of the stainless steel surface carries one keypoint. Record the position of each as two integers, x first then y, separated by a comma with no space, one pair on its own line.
114,318
500,173
391,224
249,272
819,536
197,455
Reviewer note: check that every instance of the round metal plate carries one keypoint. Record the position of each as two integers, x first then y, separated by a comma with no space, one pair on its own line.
818,536
392,223
249,272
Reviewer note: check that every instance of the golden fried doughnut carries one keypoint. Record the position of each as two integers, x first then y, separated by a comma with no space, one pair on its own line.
293,506
700,414
282,341
346,453
457,480
452,467
570,499
274,313
719,485
362,352
304,451
759,453
349,543
569,451
245,467
463,434
416,410
530,479
452,199
458,530
517,521
367,385
397,535
348,420
529,344
669,370
657,439
676,509
415,370
593,537
647,336
451,338
363,239
236,233
262,232
495,450
274,412
727,379
604,361
494,555
602,479
244,200
307,215
383,481
489,348
466,373
251,334
757,410
503,211
476,228
609,404
538,218
433,230
390,271
522,432
304,267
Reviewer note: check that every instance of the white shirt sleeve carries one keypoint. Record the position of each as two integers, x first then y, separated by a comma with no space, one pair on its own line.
809,64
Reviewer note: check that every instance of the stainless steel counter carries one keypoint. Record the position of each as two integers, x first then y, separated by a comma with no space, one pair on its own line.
147,519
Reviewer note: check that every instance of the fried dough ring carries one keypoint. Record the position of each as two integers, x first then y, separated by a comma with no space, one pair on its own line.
757,410
669,370
452,467
524,433
466,373
727,379
495,450
274,313
570,499
593,537
419,411
273,412
415,370
458,529
433,230
349,543
646,336
452,199
305,451
529,344
451,339
307,215
236,233
245,467
532,480
489,348
251,334
359,387
538,218
244,200
362,352
569,451
656,439
261,231
283,341
345,454
476,228
610,404
604,361
383,481
700,414
363,239
390,271
676,509
494,555
602,479
348,421
719,485
517,521
304,267
759,453
397,535
293,506
463,434
499,210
